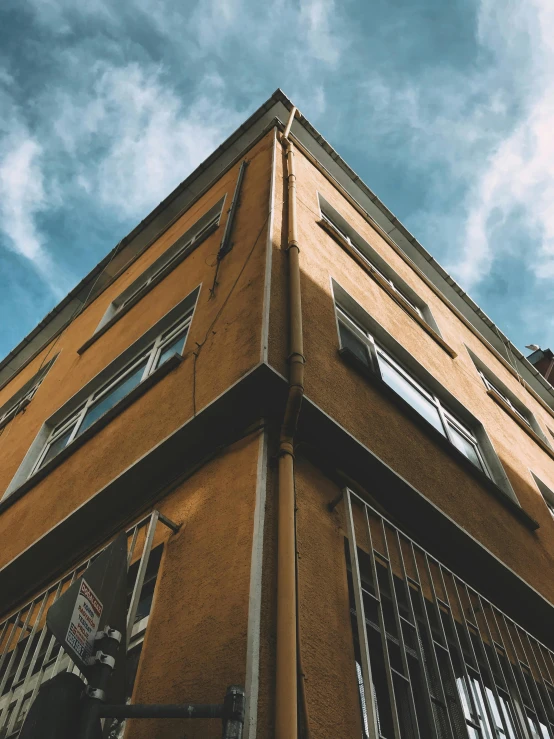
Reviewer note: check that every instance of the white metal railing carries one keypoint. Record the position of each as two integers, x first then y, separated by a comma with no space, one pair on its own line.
29,654
442,661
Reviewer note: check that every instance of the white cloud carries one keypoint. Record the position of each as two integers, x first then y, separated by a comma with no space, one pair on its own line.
22,199
518,175
146,138
317,23
480,137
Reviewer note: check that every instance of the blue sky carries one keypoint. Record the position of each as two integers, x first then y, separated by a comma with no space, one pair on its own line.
444,109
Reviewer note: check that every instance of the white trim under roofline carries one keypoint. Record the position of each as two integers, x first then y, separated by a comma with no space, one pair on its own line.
278,107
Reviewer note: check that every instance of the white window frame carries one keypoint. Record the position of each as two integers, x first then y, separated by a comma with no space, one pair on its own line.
165,264
506,397
150,357
150,345
23,397
375,261
369,326
448,420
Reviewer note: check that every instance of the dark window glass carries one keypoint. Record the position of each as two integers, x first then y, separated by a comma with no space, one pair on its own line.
350,341
113,396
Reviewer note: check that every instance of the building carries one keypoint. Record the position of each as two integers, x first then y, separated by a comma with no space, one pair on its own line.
543,360
336,473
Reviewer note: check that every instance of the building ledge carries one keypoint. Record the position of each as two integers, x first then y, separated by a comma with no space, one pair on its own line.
261,394
515,509
91,431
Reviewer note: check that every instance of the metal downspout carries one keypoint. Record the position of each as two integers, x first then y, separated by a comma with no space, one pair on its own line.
286,688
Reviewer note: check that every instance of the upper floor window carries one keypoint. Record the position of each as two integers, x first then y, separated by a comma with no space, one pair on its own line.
427,403
509,401
157,271
107,394
546,492
503,396
398,290
23,397
168,343
382,271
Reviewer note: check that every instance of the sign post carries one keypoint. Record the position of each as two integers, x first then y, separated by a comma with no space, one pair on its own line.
89,620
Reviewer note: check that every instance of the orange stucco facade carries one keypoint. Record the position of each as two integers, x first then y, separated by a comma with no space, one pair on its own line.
199,445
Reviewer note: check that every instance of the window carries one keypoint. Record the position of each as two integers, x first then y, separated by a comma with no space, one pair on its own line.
168,343
334,223
546,492
495,389
173,256
23,397
164,265
509,401
442,659
29,655
394,285
124,379
404,383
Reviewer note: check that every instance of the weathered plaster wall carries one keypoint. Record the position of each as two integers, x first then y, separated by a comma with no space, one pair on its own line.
195,644
231,347
376,421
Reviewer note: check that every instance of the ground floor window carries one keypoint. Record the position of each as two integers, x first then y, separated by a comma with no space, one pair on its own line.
441,660
29,654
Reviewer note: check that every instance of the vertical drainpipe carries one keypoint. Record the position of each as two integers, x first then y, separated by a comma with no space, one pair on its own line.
286,695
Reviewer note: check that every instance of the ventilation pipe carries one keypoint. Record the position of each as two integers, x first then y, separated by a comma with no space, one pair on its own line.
286,695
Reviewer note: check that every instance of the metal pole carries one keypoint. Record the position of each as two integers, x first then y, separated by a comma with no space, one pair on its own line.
233,712
98,681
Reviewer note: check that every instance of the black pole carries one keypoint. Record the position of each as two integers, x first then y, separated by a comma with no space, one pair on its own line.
233,712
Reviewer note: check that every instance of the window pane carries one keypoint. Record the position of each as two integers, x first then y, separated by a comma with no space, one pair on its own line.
56,446
117,392
412,396
176,347
350,341
466,446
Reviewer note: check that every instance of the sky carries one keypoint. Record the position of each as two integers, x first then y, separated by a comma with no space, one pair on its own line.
445,110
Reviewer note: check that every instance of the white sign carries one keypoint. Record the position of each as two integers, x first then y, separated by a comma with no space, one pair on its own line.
84,622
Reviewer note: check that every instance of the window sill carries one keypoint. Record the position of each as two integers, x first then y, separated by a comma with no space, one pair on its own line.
528,429
99,424
352,360
368,269
120,313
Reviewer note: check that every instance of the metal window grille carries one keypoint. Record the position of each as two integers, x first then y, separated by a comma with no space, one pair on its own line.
29,654
442,660
169,342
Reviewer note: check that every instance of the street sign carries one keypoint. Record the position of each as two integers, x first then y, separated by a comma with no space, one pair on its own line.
85,622
94,602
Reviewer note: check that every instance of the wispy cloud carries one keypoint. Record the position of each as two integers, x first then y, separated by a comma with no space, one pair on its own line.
518,176
481,138
22,199
138,138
